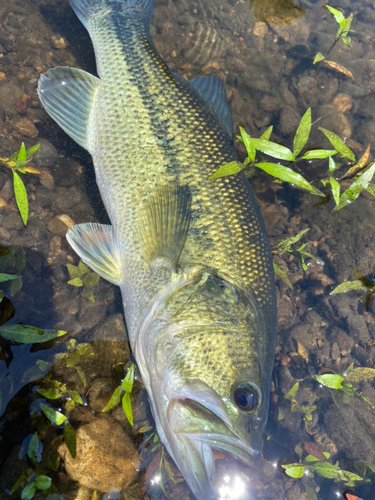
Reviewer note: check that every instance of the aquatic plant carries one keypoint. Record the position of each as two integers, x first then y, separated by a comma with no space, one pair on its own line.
33,480
310,465
344,382
17,162
122,393
285,246
82,276
361,170
360,283
12,260
342,34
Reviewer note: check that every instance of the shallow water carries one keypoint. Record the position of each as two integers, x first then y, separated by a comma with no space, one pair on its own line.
264,55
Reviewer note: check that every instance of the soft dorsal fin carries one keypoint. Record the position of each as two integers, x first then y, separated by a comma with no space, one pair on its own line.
96,245
212,90
67,94
163,224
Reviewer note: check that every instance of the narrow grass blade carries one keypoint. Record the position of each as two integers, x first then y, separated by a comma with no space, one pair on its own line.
288,175
21,197
303,132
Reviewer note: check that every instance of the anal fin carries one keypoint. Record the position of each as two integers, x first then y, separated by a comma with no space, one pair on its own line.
163,225
67,95
96,245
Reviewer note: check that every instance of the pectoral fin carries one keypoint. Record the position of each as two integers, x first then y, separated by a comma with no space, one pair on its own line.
67,94
163,225
96,245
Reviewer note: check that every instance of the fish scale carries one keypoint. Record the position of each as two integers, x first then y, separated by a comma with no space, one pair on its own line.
191,256
239,249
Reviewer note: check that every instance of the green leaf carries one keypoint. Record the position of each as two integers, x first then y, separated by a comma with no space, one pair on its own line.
303,132
273,149
358,186
22,157
338,15
18,483
249,144
74,271
90,279
43,482
33,448
15,287
286,243
29,491
371,189
51,393
360,374
288,175
32,150
326,454
83,268
8,277
348,286
228,169
25,334
338,144
76,397
21,197
114,400
311,458
319,57
75,282
332,381
335,186
315,154
347,41
88,294
70,439
19,259
267,134
127,384
292,392
53,415
310,492
326,469
282,274
294,470
332,165
281,414
127,407
82,376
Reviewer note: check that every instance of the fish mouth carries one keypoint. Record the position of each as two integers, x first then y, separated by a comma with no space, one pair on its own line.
197,432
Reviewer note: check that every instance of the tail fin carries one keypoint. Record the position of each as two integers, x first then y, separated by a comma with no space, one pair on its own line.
85,9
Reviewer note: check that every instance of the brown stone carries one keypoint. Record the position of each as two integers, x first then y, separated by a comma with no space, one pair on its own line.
59,42
105,456
342,102
27,128
23,103
57,226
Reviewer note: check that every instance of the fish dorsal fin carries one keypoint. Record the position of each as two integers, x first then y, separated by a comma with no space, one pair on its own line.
212,90
163,224
67,94
96,245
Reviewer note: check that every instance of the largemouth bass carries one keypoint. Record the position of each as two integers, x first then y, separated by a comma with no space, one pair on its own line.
191,256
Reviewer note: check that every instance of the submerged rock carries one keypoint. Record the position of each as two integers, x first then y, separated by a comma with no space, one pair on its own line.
105,456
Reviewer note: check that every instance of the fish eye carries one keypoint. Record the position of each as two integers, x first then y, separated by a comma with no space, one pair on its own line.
247,397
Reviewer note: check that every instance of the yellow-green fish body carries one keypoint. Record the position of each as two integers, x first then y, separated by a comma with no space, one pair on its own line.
191,256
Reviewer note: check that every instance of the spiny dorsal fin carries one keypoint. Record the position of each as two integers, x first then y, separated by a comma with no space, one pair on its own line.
96,245
67,94
212,90
163,224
